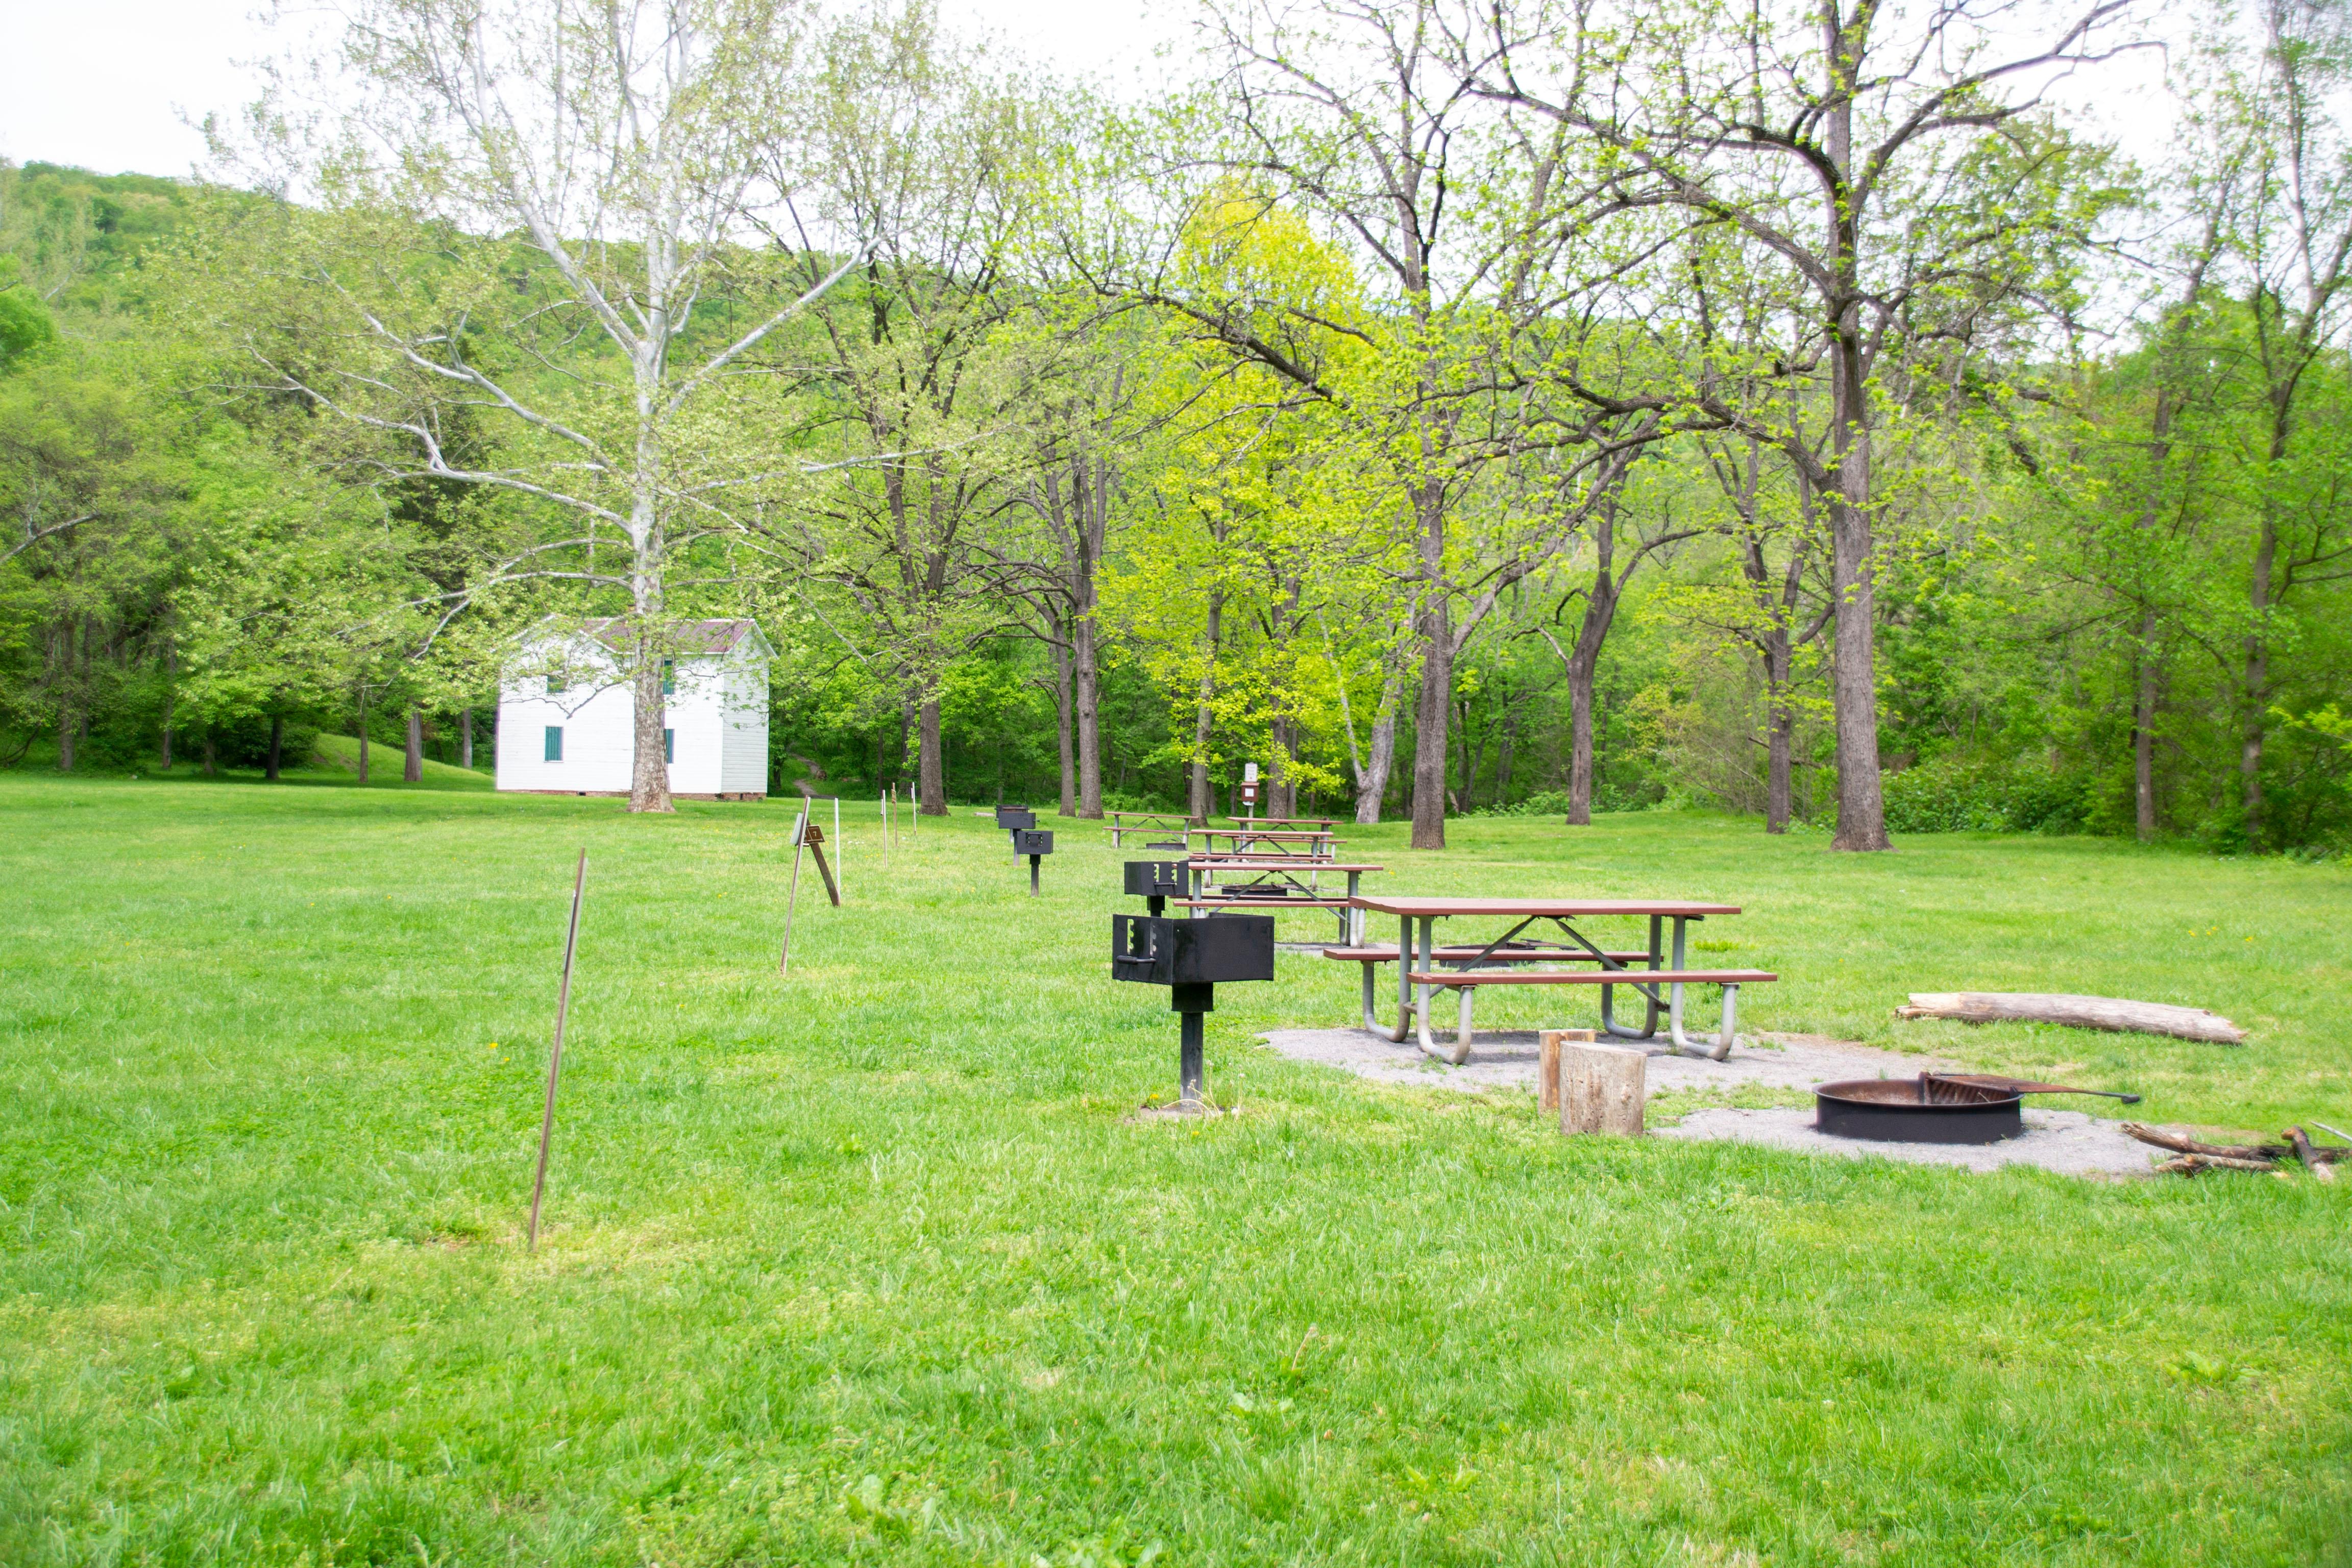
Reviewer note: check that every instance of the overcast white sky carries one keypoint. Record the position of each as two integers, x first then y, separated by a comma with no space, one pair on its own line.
111,84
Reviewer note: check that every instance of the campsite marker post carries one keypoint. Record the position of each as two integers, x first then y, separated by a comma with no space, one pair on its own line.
792,897
555,1054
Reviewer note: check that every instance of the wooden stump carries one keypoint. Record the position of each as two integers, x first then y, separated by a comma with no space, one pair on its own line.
1602,1089
1548,1064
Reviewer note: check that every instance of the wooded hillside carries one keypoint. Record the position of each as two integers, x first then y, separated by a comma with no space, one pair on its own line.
1449,409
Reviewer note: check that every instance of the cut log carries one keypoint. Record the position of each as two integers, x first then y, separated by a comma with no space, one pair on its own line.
1601,1089
1548,1064
2078,1012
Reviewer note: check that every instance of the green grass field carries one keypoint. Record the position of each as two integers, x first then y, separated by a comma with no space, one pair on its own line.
871,1265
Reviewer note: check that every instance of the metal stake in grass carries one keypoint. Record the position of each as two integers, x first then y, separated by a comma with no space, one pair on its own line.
836,845
792,897
555,1054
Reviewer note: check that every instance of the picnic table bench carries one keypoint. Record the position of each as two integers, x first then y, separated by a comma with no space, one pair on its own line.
1285,882
1463,969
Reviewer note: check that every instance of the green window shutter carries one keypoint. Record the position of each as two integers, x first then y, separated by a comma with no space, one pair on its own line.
669,746
555,743
669,677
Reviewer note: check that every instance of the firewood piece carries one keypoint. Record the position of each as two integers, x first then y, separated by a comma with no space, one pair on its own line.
1547,1063
2190,1164
1601,1089
2079,1012
2308,1155
2180,1142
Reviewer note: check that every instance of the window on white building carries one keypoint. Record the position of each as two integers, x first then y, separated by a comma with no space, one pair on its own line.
555,743
669,746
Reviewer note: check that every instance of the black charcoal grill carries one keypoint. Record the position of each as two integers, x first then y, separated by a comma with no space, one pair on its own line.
1188,956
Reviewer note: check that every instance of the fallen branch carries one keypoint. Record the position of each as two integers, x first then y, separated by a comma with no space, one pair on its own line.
2307,1154
2190,1164
2181,1143
2194,1156
2079,1012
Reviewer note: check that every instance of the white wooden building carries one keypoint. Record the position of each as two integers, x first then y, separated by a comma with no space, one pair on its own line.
567,717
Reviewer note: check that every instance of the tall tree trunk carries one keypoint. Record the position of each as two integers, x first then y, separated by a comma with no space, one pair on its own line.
67,731
1202,803
171,701
411,765
1092,503
1087,699
1580,741
1503,757
2257,682
1372,777
465,739
1282,773
1780,730
1584,662
2144,729
269,767
1061,729
1854,689
1435,702
1429,714
363,736
649,768
212,756
931,773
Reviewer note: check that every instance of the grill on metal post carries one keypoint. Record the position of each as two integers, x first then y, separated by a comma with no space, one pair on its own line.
1022,823
1189,957
1156,882
1033,842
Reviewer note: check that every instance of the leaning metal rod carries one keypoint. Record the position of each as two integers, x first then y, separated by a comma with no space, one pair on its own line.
840,872
555,1056
792,898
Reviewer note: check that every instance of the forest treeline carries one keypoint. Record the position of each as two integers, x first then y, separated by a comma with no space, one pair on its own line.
1525,408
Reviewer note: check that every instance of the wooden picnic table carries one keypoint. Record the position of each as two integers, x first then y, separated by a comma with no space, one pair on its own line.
1147,821
1313,845
1318,822
1280,880
1422,969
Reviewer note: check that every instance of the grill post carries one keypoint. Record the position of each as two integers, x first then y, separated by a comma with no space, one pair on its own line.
1193,1004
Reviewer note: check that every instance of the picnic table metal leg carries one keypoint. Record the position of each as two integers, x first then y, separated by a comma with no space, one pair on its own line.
1461,1051
1721,1045
1649,1029
1404,978
1373,1025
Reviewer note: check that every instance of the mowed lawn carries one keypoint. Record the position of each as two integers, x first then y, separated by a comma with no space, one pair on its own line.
871,1265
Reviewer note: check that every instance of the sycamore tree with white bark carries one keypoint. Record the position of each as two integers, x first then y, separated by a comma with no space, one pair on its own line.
532,261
